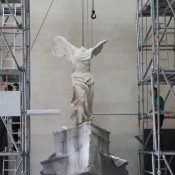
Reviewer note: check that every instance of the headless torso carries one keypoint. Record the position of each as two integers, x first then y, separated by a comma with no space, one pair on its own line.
83,87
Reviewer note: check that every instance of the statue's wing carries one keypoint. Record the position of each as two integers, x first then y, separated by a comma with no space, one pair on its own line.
61,47
97,48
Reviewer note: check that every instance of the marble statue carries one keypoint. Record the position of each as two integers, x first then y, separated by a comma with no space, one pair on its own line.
82,79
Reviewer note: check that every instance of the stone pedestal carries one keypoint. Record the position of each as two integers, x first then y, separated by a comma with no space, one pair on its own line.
83,150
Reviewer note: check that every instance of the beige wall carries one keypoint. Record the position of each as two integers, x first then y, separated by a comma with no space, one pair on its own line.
114,71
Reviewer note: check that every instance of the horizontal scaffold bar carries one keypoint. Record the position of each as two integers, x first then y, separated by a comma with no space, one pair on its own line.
115,114
43,112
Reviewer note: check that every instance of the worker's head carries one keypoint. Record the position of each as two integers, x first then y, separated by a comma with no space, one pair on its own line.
154,93
15,87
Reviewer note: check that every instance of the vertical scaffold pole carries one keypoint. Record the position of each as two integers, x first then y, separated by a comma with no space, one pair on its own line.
26,86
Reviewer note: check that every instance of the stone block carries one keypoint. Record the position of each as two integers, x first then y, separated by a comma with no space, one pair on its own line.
83,150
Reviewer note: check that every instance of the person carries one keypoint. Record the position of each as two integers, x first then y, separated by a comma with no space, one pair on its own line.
9,88
82,79
158,103
15,122
3,131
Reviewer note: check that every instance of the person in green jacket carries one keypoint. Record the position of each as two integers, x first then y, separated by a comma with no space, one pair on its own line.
158,103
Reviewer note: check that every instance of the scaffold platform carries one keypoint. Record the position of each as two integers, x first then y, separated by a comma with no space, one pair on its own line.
164,74
164,8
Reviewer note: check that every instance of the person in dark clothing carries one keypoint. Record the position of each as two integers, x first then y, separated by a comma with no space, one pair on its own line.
3,136
3,131
9,88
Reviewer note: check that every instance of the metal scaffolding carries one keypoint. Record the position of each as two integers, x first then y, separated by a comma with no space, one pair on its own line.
15,68
155,27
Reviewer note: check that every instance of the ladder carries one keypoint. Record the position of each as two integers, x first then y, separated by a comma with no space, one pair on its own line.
11,38
11,133
17,133
12,165
163,169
